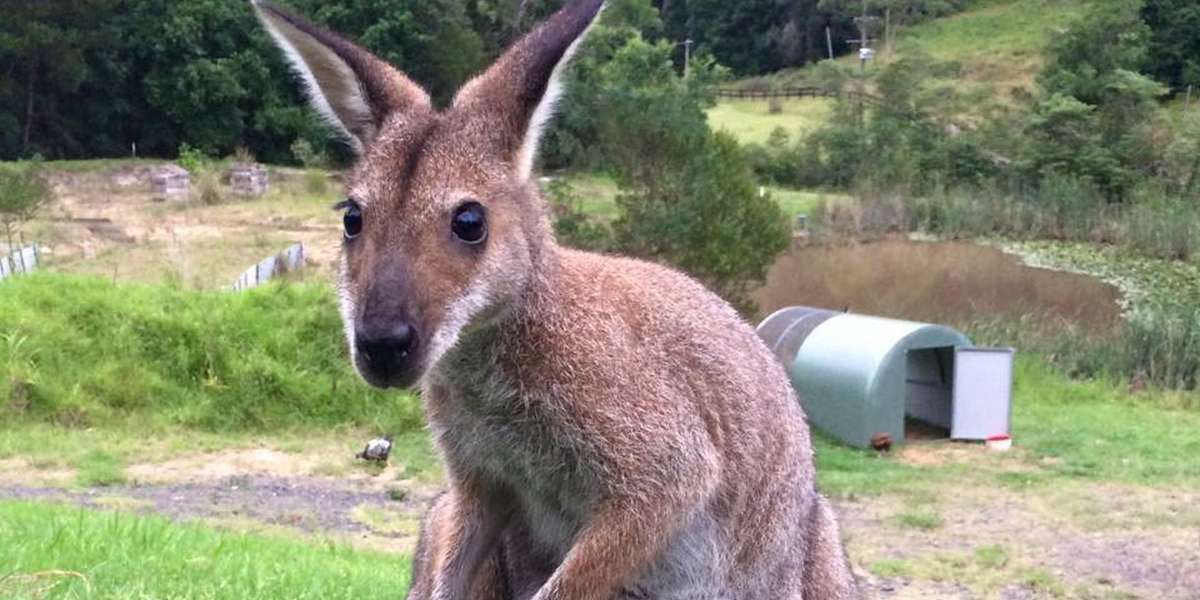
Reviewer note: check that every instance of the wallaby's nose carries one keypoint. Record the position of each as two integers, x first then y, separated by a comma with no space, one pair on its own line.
386,351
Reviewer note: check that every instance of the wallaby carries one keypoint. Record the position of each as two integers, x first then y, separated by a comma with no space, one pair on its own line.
610,428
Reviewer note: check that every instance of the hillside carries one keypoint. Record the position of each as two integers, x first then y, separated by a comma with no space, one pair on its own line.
998,45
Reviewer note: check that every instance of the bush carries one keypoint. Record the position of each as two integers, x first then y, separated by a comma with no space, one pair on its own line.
191,159
311,158
707,219
23,192
209,187
84,352
572,225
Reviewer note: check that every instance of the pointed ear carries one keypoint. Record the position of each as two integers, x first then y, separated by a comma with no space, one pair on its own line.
351,88
517,94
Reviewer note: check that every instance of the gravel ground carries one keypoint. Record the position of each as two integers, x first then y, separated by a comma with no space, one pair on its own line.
308,504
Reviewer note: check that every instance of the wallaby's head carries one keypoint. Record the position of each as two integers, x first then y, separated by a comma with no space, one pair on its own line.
443,223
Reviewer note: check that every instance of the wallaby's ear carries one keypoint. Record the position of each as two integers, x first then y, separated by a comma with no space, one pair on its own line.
352,89
518,93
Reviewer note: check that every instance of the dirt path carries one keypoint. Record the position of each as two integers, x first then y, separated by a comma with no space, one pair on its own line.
1086,540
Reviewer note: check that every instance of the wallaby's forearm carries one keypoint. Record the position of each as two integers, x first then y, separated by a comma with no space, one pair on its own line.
467,535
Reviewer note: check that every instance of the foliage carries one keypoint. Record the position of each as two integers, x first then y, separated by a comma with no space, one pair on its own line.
1093,118
93,353
90,78
687,196
23,192
191,159
309,157
55,551
707,219
1175,46
572,223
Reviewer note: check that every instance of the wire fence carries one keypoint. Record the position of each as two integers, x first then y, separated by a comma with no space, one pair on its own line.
288,261
19,262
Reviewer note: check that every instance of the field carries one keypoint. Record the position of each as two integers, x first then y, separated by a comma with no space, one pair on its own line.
997,46
752,122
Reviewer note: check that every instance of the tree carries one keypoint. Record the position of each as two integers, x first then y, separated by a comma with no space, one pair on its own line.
1175,46
22,193
688,196
42,56
1095,113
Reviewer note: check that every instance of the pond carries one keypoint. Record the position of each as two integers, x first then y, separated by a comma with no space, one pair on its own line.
943,282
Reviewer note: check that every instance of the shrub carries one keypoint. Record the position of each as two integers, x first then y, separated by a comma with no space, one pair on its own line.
572,225
209,187
708,220
191,159
23,192
308,156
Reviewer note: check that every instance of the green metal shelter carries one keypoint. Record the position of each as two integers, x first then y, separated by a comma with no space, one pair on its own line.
860,376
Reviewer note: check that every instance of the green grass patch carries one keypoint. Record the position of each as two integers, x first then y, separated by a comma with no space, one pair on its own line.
100,469
924,519
801,202
751,121
49,552
597,195
82,352
1070,431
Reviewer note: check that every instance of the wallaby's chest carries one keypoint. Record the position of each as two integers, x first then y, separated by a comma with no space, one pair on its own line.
488,427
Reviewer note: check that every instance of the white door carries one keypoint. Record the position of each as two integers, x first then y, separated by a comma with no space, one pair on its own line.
983,380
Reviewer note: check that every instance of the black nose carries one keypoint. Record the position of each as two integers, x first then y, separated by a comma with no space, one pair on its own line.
386,351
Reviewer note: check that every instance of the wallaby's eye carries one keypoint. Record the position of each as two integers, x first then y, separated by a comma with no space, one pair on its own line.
352,219
470,223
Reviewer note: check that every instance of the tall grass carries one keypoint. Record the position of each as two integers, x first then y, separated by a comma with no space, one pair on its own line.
82,352
1157,346
49,552
1150,223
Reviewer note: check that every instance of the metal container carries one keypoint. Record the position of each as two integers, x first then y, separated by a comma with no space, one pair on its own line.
861,378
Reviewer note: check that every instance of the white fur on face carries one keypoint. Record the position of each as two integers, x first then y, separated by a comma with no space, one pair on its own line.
461,313
545,109
303,51
349,309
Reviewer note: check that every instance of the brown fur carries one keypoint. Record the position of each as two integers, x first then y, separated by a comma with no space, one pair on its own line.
611,429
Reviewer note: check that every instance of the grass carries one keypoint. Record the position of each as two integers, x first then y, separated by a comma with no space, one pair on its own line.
924,519
205,244
95,165
750,121
800,202
997,43
49,552
598,196
1070,431
82,352
100,469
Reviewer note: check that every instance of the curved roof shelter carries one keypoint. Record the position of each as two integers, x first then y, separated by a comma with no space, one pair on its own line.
860,376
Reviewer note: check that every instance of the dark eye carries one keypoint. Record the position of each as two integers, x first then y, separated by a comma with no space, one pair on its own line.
470,223
353,220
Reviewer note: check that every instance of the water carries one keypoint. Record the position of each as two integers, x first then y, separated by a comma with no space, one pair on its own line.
945,282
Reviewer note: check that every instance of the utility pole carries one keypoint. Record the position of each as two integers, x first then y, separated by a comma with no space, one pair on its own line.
829,41
865,53
687,58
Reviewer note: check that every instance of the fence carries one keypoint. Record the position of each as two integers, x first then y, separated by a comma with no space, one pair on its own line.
796,92
289,260
21,262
